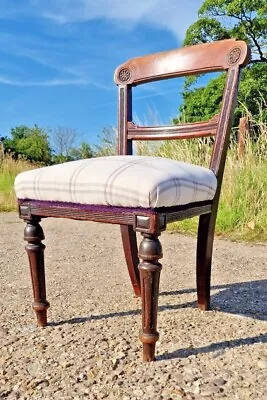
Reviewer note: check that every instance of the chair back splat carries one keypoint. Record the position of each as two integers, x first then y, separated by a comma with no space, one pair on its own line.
141,194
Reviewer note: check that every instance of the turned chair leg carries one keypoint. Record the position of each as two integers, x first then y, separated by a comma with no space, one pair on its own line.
204,258
149,252
129,242
34,235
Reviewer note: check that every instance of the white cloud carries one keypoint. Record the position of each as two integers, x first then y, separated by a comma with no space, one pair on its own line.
72,64
172,15
50,82
49,55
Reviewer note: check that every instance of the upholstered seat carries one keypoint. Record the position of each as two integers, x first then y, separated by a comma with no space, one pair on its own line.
120,181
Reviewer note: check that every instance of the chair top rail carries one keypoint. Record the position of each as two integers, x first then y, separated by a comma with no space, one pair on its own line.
189,60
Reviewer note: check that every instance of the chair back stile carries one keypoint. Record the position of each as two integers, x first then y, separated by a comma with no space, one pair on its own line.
225,121
125,145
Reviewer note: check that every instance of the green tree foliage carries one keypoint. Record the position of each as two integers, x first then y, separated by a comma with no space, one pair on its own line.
203,102
84,151
108,143
64,141
33,144
223,19
29,143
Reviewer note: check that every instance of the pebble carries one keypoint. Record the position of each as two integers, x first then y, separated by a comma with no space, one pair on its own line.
3,332
219,382
34,368
262,364
138,392
210,390
195,389
150,389
10,374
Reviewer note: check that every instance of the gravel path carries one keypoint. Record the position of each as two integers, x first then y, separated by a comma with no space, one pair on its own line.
91,349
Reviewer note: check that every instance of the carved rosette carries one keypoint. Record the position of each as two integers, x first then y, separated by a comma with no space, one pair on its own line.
234,56
124,75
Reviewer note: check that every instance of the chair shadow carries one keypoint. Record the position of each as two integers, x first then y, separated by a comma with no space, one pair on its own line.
248,299
243,298
218,347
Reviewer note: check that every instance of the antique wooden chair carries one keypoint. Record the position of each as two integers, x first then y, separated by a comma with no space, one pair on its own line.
141,194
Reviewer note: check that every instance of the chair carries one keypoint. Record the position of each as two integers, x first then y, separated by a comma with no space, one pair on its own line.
141,194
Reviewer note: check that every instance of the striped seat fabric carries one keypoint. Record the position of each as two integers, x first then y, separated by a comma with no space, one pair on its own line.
120,181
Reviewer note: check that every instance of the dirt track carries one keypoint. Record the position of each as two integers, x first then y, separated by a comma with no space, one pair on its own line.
91,349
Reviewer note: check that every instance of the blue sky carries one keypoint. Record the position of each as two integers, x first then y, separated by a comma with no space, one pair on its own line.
57,59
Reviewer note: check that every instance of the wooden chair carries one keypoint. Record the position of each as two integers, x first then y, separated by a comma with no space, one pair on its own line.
141,194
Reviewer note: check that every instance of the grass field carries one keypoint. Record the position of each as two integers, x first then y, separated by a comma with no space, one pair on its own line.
8,170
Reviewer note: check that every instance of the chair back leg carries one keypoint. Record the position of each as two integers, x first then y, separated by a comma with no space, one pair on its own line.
129,242
205,239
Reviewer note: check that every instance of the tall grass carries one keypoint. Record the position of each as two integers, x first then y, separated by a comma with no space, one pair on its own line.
9,168
242,211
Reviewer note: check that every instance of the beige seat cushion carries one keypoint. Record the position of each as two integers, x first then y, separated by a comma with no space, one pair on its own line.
122,181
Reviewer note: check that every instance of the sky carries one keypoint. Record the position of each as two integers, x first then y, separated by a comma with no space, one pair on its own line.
57,60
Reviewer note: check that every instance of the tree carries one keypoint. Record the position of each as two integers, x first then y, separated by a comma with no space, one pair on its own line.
223,19
201,103
82,152
29,143
63,140
108,142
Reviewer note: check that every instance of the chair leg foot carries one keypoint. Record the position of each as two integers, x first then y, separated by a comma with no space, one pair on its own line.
150,251
204,306
34,235
149,352
41,317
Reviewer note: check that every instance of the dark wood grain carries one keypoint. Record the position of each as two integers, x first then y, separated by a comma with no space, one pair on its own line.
208,57
34,235
191,211
125,116
129,243
149,252
29,209
204,257
181,131
225,124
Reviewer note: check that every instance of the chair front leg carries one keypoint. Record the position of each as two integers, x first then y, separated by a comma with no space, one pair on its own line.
149,252
34,235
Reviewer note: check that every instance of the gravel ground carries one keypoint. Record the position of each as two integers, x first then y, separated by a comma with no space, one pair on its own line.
91,350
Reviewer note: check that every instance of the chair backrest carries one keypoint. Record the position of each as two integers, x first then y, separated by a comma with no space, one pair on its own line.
225,55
